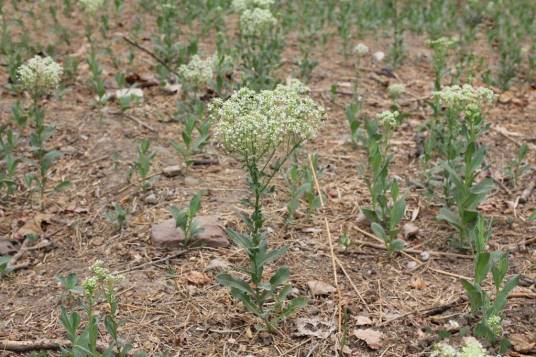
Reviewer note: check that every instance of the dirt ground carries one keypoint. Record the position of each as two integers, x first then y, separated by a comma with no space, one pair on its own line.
162,310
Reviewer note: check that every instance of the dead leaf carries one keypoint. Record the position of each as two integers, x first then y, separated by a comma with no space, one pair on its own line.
320,288
197,278
33,226
363,320
314,327
523,343
417,282
372,338
506,97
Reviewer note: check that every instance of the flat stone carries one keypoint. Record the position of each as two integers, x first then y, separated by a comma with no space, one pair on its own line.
410,230
172,171
165,234
151,199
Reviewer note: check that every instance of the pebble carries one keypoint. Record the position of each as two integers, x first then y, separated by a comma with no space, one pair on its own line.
151,199
411,265
425,256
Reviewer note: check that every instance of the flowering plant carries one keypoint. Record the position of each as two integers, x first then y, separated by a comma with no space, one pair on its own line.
261,130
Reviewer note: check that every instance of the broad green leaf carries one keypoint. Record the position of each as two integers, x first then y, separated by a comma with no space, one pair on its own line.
446,214
280,277
474,294
499,270
236,283
502,296
482,267
397,213
379,231
272,256
293,306
396,245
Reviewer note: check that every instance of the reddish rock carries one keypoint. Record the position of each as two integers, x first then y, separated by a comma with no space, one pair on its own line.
165,234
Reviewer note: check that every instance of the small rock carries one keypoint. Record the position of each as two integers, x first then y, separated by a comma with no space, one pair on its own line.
172,89
151,199
172,171
361,218
218,264
320,288
165,234
410,230
411,265
424,256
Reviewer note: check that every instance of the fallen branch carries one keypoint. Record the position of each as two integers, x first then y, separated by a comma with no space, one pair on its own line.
150,53
42,344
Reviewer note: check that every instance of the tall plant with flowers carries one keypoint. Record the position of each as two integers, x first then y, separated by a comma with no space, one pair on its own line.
40,76
260,42
463,156
261,130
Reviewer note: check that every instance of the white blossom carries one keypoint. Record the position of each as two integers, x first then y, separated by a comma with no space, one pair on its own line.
252,125
92,5
40,75
197,72
256,22
395,90
378,56
361,49
241,5
388,119
465,98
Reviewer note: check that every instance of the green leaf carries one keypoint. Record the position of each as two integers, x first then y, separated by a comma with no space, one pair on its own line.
236,283
280,277
246,300
482,267
379,231
499,270
396,245
397,213
502,296
271,256
474,293
483,187
293,306
240,240
533,216
195,204
448,215
62,185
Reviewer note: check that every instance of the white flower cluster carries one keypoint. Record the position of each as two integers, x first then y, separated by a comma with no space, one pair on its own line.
252,125
471,348
197,72
100,274
465,98
241,5
92,5
395,90
256,21
388,119
361,49
40,75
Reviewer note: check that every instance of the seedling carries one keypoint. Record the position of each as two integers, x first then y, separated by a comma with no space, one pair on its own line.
185,219
142,165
